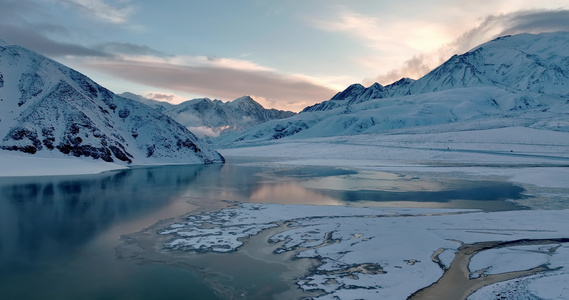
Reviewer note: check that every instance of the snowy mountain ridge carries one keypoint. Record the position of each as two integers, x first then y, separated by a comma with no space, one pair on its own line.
50,110
206,117
357,93
523,62
520,80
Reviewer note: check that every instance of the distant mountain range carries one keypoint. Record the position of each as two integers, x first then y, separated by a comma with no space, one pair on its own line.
520,80
50,110
206,117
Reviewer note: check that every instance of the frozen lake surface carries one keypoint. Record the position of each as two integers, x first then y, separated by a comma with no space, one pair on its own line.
61,234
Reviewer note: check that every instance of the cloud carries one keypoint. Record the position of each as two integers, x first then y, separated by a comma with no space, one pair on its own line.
348,21
218,78
356,24
383,33
526,21
32,39
203,131
35,37
161,97
127,49
29,23
16,9
415,67
491,27
116,13
215,62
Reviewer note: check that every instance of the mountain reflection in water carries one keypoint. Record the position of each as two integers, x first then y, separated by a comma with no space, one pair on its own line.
40,216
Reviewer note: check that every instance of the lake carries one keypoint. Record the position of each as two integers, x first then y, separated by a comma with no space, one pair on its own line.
59,234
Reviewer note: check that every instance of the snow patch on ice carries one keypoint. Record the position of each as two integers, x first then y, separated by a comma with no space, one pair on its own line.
551,285
371,253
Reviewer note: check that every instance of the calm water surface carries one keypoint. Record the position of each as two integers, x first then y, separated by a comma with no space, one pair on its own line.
58,233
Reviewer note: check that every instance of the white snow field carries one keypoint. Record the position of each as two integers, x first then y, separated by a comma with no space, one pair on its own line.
378,253
522,155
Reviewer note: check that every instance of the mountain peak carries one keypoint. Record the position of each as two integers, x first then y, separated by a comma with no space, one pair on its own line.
355,93
349,92
375,85
402,81
3,43
244,99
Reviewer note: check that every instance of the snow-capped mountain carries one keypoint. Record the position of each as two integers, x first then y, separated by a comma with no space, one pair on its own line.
357,93
524,62
50,110
520,80
206,117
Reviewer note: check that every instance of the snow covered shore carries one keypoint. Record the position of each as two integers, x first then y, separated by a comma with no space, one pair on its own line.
21,164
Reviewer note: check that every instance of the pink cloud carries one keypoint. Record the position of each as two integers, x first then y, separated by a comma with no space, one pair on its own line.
219,81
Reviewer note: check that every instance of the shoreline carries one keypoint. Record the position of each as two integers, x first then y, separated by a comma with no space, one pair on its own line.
456,282
26,165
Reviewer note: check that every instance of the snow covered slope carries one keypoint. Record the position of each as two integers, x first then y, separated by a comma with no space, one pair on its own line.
206,117
520,80
50,110
524,62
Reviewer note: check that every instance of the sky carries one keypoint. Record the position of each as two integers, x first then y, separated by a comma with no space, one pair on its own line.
284,54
